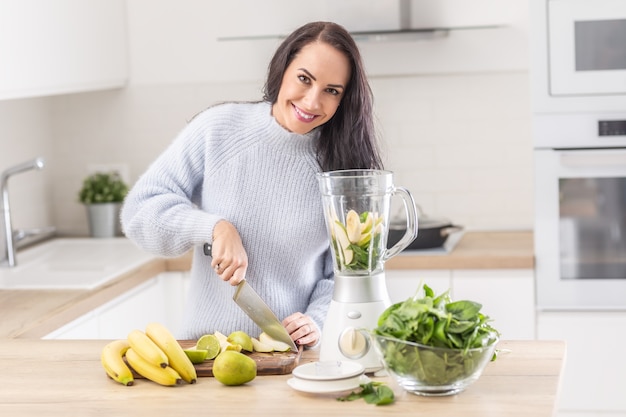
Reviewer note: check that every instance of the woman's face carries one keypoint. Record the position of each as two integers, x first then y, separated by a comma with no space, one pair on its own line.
312,88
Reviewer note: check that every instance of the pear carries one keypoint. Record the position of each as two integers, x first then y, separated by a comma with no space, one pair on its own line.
277,345
261,347
241,338
224,343
234,368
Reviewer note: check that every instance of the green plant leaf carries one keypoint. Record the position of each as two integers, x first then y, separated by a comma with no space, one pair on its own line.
373,393
103,187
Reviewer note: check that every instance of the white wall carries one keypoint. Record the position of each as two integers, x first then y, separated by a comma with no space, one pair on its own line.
25,133
455,118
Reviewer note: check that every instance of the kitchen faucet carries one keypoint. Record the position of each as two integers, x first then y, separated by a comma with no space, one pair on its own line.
9,237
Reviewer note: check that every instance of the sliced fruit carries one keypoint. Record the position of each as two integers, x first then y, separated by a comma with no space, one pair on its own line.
341,235
366,226
211,344
365,240
353,226
234,347
261,347
277,345
241,338
223,339
348,256
196,355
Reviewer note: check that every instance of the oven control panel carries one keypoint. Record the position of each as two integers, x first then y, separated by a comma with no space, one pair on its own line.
612,127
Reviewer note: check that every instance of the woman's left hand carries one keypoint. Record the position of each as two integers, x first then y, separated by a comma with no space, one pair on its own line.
302,329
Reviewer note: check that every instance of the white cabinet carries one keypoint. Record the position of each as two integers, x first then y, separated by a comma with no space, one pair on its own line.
593,379
61,46
160,299
84,327
402,284
507,295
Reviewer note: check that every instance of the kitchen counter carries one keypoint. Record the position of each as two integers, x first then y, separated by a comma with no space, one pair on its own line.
476,250
63,377
35,313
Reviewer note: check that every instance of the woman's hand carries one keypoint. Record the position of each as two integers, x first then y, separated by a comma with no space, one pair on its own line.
302,329
230,260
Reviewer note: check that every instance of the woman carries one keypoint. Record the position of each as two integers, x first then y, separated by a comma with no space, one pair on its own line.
242,177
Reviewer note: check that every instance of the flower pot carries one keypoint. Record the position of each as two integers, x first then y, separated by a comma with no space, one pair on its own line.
104,219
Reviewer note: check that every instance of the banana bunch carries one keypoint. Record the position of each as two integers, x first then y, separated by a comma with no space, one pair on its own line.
154,354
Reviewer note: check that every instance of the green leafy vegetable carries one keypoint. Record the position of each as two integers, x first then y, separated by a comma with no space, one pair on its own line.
373,393
437,322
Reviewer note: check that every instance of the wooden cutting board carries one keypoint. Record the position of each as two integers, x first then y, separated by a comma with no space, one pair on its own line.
274,363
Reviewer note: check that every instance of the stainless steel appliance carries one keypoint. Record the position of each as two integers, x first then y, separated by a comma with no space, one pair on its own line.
578,78
356,207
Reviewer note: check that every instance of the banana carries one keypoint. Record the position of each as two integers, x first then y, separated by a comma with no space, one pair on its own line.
164,376
113,362
178,359
147,349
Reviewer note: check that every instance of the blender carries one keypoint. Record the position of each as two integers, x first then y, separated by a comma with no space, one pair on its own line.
356,208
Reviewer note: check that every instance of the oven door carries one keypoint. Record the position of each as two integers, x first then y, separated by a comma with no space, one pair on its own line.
586,47
580,229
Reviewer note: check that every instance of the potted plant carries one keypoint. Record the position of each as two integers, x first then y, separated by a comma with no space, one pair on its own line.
103,193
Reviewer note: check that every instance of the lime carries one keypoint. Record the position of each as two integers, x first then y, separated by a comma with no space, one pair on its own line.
211,344
241,338
234,368
196,355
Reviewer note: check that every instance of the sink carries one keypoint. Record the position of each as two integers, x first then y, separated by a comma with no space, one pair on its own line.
68,263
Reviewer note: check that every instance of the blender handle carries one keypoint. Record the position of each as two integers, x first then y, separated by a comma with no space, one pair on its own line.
411,224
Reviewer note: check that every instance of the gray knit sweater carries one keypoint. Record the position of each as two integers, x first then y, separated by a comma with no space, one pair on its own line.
235,162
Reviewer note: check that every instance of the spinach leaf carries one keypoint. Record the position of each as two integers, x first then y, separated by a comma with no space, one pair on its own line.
373,393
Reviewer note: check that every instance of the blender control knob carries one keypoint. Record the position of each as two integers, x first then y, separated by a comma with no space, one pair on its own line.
353,343
354,315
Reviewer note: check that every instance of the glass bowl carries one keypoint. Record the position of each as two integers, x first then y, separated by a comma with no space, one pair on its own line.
432,371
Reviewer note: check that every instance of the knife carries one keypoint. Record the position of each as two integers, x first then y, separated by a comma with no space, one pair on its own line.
253,305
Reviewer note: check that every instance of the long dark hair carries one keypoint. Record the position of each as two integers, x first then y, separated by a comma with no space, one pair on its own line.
347,140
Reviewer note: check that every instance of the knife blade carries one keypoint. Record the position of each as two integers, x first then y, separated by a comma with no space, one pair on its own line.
253,305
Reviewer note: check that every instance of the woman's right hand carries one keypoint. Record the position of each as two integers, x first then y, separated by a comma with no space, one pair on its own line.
230,260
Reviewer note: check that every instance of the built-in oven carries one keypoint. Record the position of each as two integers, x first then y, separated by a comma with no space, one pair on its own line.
580,229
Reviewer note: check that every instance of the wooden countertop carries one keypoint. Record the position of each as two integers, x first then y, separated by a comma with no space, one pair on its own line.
476,250
35,313
64,377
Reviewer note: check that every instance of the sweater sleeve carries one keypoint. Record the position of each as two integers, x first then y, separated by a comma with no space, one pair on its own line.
160,213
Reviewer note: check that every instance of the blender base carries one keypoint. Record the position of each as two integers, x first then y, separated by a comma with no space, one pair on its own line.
346,333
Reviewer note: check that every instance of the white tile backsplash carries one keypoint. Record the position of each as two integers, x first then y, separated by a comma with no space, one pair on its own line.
461,144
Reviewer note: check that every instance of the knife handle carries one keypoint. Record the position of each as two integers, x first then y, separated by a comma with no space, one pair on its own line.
207,249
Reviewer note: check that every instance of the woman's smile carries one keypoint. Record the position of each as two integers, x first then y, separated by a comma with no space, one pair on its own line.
302,115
